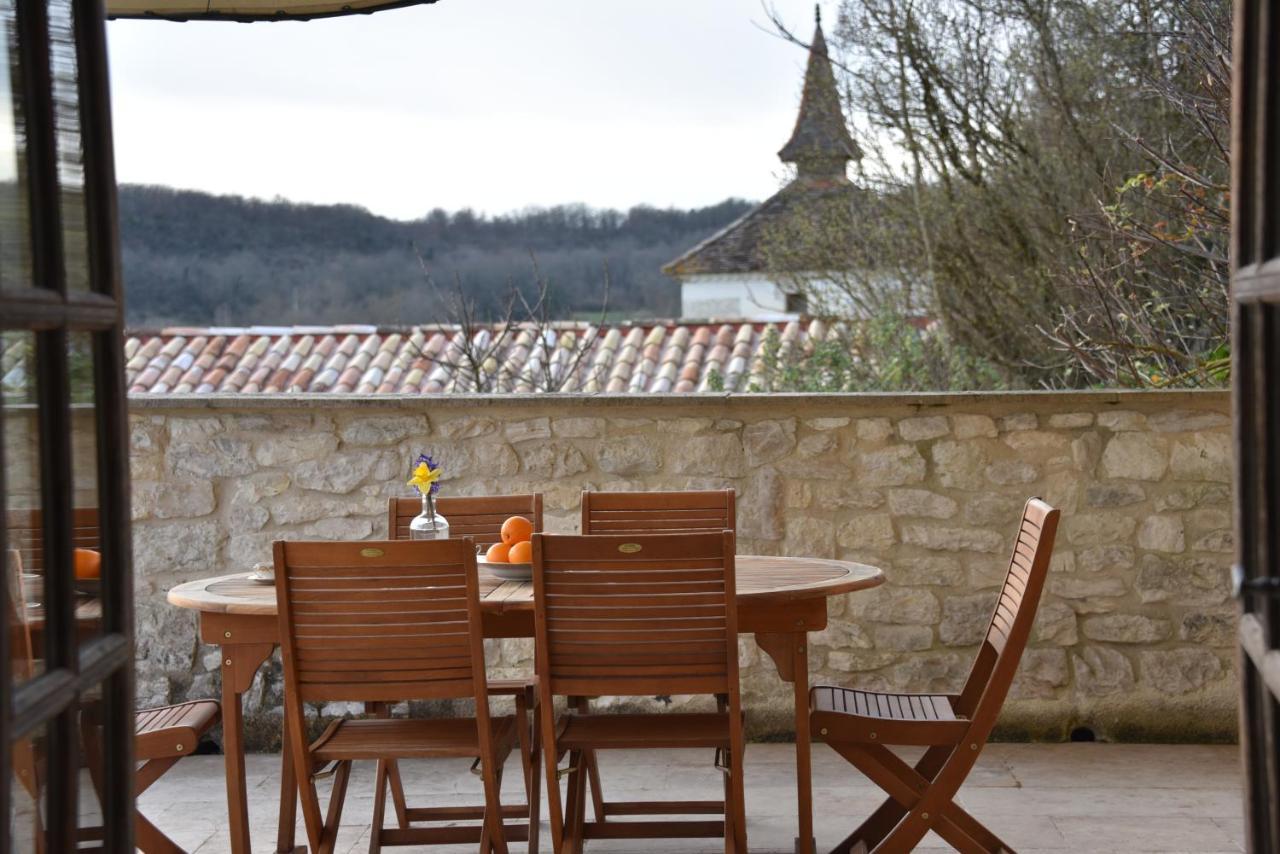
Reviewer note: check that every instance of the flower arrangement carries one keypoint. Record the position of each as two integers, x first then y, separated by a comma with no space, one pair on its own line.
426,475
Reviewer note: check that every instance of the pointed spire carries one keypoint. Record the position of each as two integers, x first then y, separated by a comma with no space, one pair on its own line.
820,145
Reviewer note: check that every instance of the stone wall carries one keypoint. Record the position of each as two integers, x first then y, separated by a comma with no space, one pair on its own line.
1135,634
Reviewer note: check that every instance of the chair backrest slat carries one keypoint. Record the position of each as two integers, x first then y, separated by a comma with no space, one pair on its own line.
380,620
26,534
1013,615
636,614
707,511
478,517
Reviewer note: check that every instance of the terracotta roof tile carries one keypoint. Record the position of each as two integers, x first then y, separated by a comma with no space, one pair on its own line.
635,358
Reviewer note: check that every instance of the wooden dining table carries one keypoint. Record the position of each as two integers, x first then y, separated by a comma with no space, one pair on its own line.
780,601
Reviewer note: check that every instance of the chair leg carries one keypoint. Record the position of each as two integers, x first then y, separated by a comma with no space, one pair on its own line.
879,824
379,807
551,762
576,801
149,839
533,792
337,798
583,704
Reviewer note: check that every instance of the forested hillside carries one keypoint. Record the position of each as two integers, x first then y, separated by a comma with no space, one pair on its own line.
194,258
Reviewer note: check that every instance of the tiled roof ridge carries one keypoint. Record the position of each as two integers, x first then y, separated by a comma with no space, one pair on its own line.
638,356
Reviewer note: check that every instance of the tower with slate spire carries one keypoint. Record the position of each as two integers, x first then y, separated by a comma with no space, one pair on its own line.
727,275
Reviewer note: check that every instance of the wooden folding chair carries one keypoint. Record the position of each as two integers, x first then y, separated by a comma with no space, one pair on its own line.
708,511
860,725
637,615
479,517
162,735
383,622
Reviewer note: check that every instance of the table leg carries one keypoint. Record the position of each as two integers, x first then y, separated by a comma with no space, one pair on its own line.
239,664
804,767
288,796
790,654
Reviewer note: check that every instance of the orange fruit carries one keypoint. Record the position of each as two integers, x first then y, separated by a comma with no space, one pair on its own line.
517,529
88,564
497,553
521,552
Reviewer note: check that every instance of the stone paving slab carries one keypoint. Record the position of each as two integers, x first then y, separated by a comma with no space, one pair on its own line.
1038,797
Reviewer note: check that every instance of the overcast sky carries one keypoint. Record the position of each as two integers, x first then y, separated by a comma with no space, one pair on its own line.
489,104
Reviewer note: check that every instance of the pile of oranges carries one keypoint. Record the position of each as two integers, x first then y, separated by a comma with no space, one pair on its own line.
515,546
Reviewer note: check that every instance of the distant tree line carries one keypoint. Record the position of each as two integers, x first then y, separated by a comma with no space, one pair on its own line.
195,258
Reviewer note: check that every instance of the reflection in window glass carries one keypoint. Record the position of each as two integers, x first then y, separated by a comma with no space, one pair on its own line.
66,119
27,796
24,542
84,472
15,245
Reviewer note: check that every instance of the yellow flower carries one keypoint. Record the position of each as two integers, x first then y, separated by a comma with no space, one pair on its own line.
424,476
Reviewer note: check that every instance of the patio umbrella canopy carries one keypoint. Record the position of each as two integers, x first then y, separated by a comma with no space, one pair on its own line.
248,10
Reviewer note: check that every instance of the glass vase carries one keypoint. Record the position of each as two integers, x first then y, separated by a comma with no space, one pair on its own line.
429,525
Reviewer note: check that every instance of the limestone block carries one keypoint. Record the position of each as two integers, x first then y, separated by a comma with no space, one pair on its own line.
1055,624
692,426
177,546
343,528
809,537
923,428
965,619
193,429
1085,592
378,430
769,441
247,517
867,531
799,495
893,466
1114,494
901,605
1182,581
1162,534
1111,558
993,509
951,538
847,496
759,507
1010,472
246,548
1211,628
1179,671
921,502
816,445
1135,456
959,465
1070,420
1038,442
1093,529
467,427
1126,628
825,424
290,448
719,454
1121,420
1042,673
873,429
340,473
1203,456
172,499
1086,450
629,455
1187,421
845,635
1019,421
930,673
578,428
552,460
219,456
858,661
1215,541
973,426
938,570
1195,495
902,638
1101,671
524,431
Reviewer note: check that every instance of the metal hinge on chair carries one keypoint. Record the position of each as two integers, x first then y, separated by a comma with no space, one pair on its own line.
326,770
722,761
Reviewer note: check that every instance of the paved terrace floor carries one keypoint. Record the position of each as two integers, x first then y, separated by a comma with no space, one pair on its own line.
1077,797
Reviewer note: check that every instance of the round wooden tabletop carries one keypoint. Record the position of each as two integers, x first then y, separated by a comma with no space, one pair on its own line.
759,579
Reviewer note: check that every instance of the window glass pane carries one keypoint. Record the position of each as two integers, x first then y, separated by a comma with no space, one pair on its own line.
24,553
84,472
15,238
66,118
27,799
